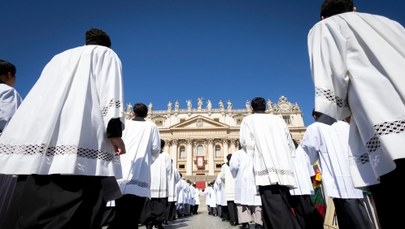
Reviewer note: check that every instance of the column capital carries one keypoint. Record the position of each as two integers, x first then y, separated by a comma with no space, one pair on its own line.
189,141
174,142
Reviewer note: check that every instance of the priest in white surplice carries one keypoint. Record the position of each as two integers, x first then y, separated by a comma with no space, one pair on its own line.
142,139
174,177
212,199
10,99
267,139
182,190
154,212
190,198
247,198
221,198
357,63
218,196
229,190
308,216
63,139
327,140
196,198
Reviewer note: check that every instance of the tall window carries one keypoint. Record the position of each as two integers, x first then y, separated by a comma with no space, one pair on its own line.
182,153
200,150
217,151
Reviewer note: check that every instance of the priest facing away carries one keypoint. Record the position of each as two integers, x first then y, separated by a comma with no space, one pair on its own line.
64,139
357,63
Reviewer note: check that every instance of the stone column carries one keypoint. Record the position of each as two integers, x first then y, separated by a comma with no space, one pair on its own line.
225,147
173,151
233,146
189,151
210,158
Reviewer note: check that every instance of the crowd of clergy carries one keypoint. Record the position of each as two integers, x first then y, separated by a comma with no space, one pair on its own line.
70,159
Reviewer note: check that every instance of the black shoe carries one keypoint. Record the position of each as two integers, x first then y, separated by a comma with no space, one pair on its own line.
159,226
233,223
258,226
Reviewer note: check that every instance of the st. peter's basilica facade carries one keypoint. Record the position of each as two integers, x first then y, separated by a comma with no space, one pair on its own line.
199,138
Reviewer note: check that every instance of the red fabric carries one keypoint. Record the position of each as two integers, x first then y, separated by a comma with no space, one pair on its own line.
321,209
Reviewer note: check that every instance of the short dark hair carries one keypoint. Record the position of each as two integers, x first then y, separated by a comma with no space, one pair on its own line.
140,110
97,37
228,157
258,104
162,144
6,67
333,7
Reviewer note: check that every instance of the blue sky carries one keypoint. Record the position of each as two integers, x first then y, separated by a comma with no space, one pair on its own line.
181,49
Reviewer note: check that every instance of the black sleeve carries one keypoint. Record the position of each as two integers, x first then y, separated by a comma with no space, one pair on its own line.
114,128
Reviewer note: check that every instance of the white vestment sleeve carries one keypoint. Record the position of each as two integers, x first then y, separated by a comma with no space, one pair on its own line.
327,58
246,139
109,85
155,143
311,143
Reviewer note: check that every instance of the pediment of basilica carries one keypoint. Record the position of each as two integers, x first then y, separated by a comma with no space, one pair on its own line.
199,122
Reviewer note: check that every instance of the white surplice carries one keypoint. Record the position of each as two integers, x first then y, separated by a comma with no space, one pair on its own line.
268,139
303,170
182,191
229,182
241,167
142,142
196,196
329,145
220,190
212,196
60,127
161,169
207,195
357,64
191,195
174,177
